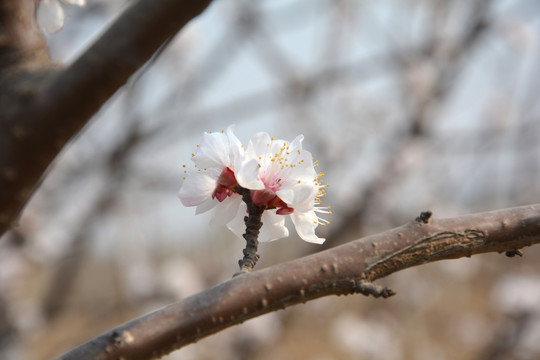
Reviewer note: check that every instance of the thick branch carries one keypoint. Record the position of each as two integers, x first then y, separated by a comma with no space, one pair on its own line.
341,270
43,106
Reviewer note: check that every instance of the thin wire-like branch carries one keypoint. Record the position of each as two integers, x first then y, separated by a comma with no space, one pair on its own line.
45,106
342,270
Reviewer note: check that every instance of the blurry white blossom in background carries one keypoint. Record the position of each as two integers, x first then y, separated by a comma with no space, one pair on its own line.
50,13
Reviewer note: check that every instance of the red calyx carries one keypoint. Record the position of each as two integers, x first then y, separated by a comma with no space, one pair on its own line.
270,200
225,184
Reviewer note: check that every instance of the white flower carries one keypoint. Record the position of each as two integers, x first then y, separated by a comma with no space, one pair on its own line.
282,176
211,184
50,14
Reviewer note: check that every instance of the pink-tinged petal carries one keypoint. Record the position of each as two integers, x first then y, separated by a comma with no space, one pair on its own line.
247,175
225,211
305,224
273,227
196,189
213,151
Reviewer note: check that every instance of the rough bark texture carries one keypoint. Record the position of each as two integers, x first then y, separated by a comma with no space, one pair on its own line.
339,271
253,225
44,105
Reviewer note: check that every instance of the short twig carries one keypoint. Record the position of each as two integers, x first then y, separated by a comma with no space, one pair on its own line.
424,217
368,288
513,253
253,225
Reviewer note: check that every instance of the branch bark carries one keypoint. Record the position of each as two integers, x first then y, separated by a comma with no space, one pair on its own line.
44,105
346,269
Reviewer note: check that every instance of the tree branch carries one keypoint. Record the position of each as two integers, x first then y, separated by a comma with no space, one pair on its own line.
43,106
342,270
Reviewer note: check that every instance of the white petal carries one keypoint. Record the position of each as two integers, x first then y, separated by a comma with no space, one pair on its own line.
305,224
277,145
209,204
298,194
296,144
235,148
247,175
50,16
196,189
226,210
237,224
303,170
273,227
258,145
213,151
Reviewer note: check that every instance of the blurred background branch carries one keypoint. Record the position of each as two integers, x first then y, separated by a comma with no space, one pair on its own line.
409,105
44,106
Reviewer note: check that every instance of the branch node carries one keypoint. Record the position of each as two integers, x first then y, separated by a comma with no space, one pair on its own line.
367,288
513,253
424,217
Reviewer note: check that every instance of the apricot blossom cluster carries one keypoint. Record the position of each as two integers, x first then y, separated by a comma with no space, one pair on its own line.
280,176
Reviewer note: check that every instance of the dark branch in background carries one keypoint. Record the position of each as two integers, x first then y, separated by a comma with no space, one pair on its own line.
342,270
44,106
420,106
68,267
